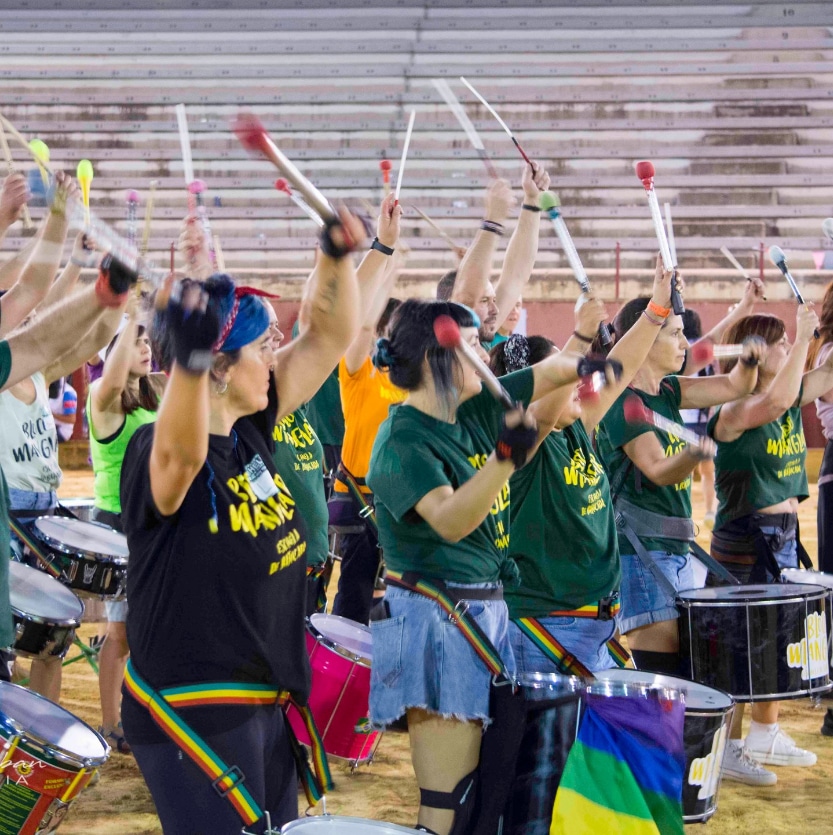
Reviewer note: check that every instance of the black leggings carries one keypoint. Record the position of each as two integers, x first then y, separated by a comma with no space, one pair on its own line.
825,510
187,803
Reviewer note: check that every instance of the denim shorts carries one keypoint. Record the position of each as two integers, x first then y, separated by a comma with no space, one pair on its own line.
421,659
643,601
586,638
21,500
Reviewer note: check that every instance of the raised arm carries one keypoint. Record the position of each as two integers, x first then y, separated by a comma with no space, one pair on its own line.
33,285
475,269
782,393
818,382
113,378
375,277
12,200
523,245
65,283
333,322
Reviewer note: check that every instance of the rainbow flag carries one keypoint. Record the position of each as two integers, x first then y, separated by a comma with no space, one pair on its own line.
624,774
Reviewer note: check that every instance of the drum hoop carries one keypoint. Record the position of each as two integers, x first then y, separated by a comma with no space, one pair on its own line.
94,556
791,695
329,643
573,684
601,687
709,713
46,621
822,592
690,710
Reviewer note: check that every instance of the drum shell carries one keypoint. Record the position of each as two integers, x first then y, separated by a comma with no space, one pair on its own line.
338,699
40,640
745,640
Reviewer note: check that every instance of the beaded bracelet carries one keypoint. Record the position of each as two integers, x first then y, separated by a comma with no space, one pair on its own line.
587,339
492,226
654,321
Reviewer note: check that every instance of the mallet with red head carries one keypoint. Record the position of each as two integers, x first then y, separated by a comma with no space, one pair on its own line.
635,411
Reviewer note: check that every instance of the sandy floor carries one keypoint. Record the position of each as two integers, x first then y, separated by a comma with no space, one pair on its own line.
120,804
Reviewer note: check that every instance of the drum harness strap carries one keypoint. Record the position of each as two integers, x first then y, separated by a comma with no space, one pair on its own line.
228,780
28,539
346,477
321,574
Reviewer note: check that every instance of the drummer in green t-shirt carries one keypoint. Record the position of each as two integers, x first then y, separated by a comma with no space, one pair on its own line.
650,475
760,480
439,471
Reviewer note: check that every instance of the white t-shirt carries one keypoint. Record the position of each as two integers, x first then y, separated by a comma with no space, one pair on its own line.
29,441
825,410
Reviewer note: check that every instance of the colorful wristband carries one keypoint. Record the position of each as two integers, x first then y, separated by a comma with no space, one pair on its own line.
662,312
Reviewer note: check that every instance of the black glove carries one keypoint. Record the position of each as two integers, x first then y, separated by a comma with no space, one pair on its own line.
119,277
751,362
514,443
338,250
587,366
194,327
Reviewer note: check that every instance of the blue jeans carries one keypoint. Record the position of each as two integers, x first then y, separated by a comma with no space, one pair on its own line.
28,500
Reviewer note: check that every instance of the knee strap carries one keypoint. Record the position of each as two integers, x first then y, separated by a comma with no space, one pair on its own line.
461,801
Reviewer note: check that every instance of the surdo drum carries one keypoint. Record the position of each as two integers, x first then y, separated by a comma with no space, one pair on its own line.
45,613
89,557
47,756
757,642
338,825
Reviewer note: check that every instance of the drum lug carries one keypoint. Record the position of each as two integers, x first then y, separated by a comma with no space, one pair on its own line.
71,571
19,628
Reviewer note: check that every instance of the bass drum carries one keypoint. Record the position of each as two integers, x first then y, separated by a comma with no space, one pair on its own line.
708,714
757,642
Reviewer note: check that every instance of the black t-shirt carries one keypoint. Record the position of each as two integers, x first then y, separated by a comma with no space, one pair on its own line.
212,607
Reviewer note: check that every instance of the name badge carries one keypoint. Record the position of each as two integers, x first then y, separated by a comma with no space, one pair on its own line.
260,480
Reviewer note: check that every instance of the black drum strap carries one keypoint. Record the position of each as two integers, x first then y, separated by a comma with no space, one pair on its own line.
713,565
803,556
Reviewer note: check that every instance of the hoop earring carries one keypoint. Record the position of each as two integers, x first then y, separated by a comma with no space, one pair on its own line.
220,388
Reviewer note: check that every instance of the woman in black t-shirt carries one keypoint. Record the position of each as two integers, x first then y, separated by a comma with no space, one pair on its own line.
218,565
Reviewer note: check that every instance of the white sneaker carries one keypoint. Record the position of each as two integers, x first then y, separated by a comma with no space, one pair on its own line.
778,749
739,766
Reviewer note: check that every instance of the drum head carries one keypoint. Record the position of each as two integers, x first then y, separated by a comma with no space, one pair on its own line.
39,596
730,595
75,536
344,633
697,696
811,578
338,825
39,719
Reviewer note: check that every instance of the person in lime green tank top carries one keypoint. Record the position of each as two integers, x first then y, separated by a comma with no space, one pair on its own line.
123,399
760,480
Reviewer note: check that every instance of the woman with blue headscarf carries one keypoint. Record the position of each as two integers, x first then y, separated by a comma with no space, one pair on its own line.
217,551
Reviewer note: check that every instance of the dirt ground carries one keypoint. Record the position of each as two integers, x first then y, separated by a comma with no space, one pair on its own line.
121,805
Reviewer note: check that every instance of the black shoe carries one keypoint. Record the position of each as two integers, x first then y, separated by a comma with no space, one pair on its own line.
827,727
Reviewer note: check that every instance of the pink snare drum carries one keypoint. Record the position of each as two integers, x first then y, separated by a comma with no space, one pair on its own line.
340,653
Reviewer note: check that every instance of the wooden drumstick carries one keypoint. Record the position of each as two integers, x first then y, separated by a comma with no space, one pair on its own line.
7,153
448,239
218,255
143,249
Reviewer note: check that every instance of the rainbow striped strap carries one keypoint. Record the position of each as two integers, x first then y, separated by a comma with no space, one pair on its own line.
597,611
227,780
317,780
618,653
437,591
28,539
543,639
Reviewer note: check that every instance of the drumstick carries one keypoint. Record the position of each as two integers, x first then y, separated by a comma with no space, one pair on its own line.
253,136
218,254
384,167
550,204
737,265
282,185
7,153
447,332
669,231
705,351
185,144
636,411
143,249
645,171
196,188
84,175
451,242
500,121
132,198
40,151
401,172
465,123
776,255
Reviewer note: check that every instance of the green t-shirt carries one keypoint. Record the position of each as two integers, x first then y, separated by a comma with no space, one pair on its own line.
6,623
763,467
614,432
107,456
563,528
299,458
324,408
414,454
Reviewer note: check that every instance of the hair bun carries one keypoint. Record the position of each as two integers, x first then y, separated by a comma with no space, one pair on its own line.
383,358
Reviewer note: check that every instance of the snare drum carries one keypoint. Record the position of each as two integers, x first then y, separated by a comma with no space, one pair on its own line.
340,654
45,613
89,557
756,642
708,713
338,825
48,757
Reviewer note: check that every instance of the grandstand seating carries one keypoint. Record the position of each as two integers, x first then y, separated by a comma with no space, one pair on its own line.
733,103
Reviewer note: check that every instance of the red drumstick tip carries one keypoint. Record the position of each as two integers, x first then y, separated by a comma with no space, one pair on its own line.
250,131
636,411
132,196
447,331
702,352
586,393
282,185
645,170
196,187
385,165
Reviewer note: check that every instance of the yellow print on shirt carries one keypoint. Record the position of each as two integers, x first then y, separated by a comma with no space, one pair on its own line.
673,446
289,431
790,443
581,472
596,503
252,514
502,501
